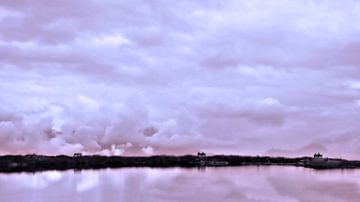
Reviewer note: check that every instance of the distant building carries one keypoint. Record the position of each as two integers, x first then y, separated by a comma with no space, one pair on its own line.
201,154
318,155
201,158
77,154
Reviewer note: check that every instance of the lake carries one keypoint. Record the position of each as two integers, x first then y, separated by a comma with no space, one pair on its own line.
247,183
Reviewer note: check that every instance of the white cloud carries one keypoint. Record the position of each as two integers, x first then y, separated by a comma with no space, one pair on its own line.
88,103
109,40
8,14
354,84
357,102
148,150
270,101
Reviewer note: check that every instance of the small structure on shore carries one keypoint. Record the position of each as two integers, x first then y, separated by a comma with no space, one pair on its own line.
201,158
77,154
319,162
201,154
203,161
318,156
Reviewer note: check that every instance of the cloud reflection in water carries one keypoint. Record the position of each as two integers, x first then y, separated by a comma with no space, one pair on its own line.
175,184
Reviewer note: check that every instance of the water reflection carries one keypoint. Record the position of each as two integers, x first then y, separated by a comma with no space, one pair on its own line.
211,184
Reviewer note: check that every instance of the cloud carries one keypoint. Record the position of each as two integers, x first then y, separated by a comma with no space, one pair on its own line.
265,111
234,77
327,188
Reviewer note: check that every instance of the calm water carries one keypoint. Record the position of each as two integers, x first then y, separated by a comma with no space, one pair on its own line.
212,184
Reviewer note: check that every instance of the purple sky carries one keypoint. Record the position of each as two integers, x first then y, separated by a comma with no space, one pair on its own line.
153,77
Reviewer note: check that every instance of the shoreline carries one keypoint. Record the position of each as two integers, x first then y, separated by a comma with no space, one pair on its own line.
35,163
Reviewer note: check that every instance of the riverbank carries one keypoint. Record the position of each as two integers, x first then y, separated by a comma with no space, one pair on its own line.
33,163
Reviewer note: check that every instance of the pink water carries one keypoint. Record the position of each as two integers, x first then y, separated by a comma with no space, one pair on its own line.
175,184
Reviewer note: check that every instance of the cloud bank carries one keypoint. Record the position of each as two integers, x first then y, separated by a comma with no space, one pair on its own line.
152,77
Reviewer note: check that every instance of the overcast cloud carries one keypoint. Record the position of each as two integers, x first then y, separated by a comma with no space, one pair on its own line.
153,77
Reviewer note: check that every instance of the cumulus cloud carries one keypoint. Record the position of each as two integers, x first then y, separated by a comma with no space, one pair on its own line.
152,77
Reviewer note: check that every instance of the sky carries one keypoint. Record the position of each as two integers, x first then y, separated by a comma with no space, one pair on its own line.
132,77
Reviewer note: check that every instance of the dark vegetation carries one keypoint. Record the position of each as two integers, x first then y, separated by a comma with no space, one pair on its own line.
33,163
